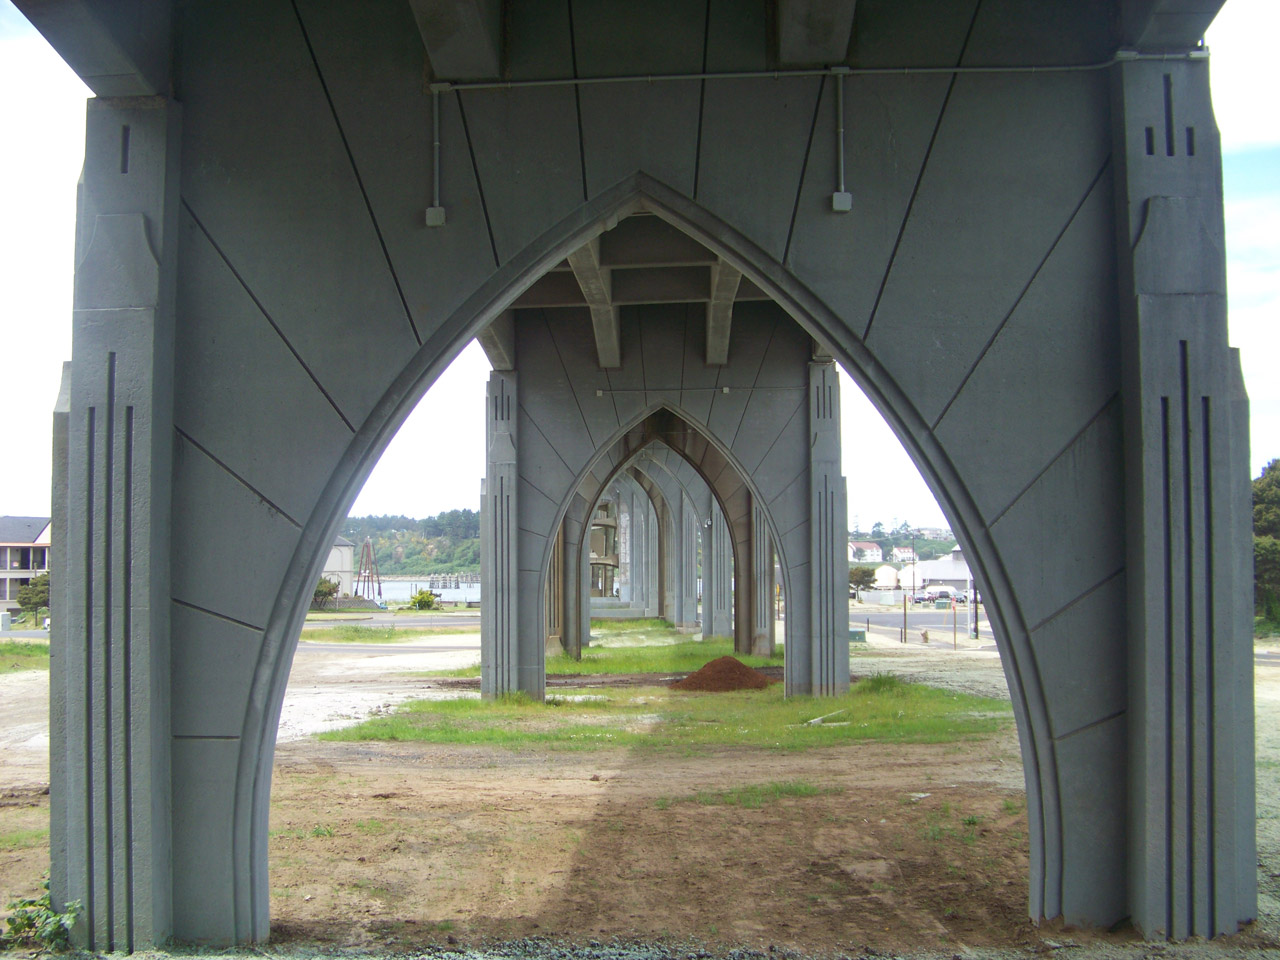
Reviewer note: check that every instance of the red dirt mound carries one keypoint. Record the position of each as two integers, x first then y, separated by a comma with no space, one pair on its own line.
722,675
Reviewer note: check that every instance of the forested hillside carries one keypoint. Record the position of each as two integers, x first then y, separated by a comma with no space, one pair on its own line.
446,543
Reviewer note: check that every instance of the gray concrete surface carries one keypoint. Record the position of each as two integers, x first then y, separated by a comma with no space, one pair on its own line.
1029,285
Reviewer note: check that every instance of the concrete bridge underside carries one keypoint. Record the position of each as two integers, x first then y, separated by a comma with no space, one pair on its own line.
1024,270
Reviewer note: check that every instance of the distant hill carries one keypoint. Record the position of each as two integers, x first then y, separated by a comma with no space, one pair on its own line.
446,543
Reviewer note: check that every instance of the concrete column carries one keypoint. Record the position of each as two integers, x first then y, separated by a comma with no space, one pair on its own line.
761,587
828,536
653,572
1192,866
684,559
110,743
504,667
717,587
555,596
572,583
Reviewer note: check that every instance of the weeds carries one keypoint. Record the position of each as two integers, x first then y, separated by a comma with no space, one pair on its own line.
34,922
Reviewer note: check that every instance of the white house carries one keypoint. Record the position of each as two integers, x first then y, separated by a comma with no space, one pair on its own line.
903,555
340,567
24,553
864,551
886,577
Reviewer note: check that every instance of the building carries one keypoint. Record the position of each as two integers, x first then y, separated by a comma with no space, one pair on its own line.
24,553
340,567
865,551
903,555
949,571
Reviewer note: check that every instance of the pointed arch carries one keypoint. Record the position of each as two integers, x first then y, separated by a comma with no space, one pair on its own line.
636,193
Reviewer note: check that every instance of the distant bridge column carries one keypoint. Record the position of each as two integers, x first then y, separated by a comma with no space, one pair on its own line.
505,666
828,538
1192,867
574,630
717,588
684,558
652,564
760,587
111,751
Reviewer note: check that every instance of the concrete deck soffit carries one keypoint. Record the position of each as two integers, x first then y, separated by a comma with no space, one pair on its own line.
463,37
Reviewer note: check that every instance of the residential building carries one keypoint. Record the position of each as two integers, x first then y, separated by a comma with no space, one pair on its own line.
903,555
24,553
865,551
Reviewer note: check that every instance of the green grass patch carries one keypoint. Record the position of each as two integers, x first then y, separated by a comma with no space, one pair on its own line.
1264,629
682,656
16,655
752,796
348,633
657,718
24,839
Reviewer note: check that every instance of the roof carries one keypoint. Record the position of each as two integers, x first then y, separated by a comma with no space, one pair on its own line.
864,545
22,529
341,541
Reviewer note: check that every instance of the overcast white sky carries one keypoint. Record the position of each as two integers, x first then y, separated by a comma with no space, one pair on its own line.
42,115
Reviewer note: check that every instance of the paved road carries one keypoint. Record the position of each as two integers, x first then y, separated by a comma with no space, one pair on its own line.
24,634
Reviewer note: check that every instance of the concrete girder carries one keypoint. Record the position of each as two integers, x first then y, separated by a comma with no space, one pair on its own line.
463,37
594,280
498,340
1166,24
117,49
725,279
814,33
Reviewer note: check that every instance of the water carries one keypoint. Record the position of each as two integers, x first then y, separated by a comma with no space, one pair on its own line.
402,590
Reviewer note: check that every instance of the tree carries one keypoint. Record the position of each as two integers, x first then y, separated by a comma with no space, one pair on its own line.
877,530
864,578
1266,502
425,600
35,594
326,590
1266,542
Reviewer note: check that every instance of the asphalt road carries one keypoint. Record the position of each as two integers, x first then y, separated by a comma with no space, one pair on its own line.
382,618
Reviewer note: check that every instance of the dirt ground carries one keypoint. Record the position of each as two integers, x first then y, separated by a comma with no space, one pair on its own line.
389,847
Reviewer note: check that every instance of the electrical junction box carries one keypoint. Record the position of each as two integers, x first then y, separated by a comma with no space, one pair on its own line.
842,202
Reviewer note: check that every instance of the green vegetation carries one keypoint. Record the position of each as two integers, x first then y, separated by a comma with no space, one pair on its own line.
33,922
683,656
864,578
349,633
752,796
16,655
325,591
1266,550
657,718
424,600
23,839
35,595
446,543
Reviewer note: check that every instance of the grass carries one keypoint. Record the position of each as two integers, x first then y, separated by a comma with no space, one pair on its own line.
24,839
16,655
657,718
348,633
1264,629
679,656
751,796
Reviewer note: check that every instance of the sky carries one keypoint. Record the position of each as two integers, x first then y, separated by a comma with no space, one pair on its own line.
42,114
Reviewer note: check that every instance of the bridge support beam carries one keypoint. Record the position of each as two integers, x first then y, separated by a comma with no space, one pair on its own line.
110,732
717,585
505,664
758,595
1192,867
828,538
